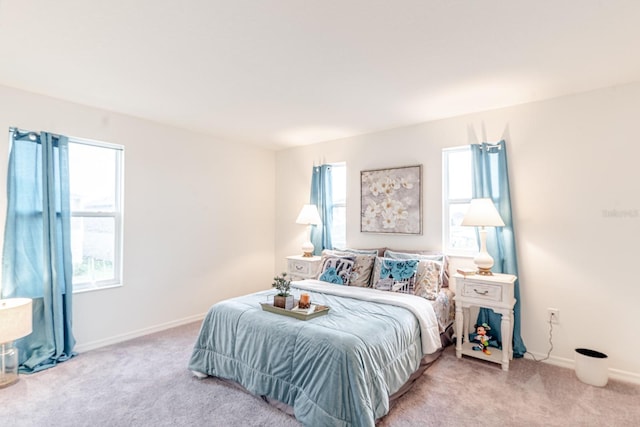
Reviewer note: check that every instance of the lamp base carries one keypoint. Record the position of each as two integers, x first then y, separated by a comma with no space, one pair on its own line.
484,271
8,365
307,248
483,260
6,381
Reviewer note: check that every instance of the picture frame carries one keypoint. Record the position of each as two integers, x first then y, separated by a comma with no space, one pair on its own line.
391,200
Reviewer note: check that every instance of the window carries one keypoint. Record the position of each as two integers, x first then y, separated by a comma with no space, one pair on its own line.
95,175
457,194
339,190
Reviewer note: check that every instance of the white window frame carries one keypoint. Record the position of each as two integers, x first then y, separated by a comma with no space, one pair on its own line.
117,215
343,204
447,203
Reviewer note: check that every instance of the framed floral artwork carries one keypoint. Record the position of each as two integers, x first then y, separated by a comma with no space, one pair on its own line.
391,200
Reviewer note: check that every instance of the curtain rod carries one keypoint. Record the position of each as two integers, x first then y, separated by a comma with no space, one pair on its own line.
21,132
489,146
75,140
13,129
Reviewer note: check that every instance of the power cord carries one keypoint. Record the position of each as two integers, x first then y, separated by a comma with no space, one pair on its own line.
550,342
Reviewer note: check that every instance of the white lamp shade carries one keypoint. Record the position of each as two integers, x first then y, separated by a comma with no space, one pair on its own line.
309,216
15,318
482,213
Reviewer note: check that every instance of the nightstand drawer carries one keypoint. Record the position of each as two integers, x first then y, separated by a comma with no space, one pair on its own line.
485,291
299,267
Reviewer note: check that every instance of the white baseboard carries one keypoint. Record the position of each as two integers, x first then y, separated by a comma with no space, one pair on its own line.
82,347
614,374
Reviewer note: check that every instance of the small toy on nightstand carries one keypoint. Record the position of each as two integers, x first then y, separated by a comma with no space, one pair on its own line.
482,339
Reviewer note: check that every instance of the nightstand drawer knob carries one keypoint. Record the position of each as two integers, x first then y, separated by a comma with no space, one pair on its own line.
485,292
299,267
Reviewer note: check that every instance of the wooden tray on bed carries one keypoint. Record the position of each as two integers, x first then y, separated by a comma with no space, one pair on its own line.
320,310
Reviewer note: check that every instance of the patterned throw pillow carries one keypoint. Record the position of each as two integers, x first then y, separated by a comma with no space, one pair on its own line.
336,270
428,279
425,255
362,268
395,275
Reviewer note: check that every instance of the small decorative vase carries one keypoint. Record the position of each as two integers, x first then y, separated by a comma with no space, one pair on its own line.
283,302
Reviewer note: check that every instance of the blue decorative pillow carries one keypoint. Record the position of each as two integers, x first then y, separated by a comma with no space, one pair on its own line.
336,270
362,267
424,256
397,275
331,275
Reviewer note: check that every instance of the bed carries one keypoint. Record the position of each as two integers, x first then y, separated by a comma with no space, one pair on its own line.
341,369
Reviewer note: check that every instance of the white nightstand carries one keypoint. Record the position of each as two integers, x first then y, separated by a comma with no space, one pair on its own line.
494,292
300,267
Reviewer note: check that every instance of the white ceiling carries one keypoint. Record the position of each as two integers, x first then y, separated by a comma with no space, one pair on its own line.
280,73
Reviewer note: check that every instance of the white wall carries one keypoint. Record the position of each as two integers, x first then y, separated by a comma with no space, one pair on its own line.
198,224
570,159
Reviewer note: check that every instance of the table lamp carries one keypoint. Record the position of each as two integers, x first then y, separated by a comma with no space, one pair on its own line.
15,322
308,216
483,213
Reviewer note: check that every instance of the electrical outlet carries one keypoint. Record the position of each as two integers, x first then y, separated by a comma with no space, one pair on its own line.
553,315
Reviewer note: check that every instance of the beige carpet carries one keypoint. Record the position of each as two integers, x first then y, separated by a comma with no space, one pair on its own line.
145,382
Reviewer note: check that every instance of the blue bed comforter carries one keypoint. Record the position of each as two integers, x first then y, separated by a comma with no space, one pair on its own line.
334,370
